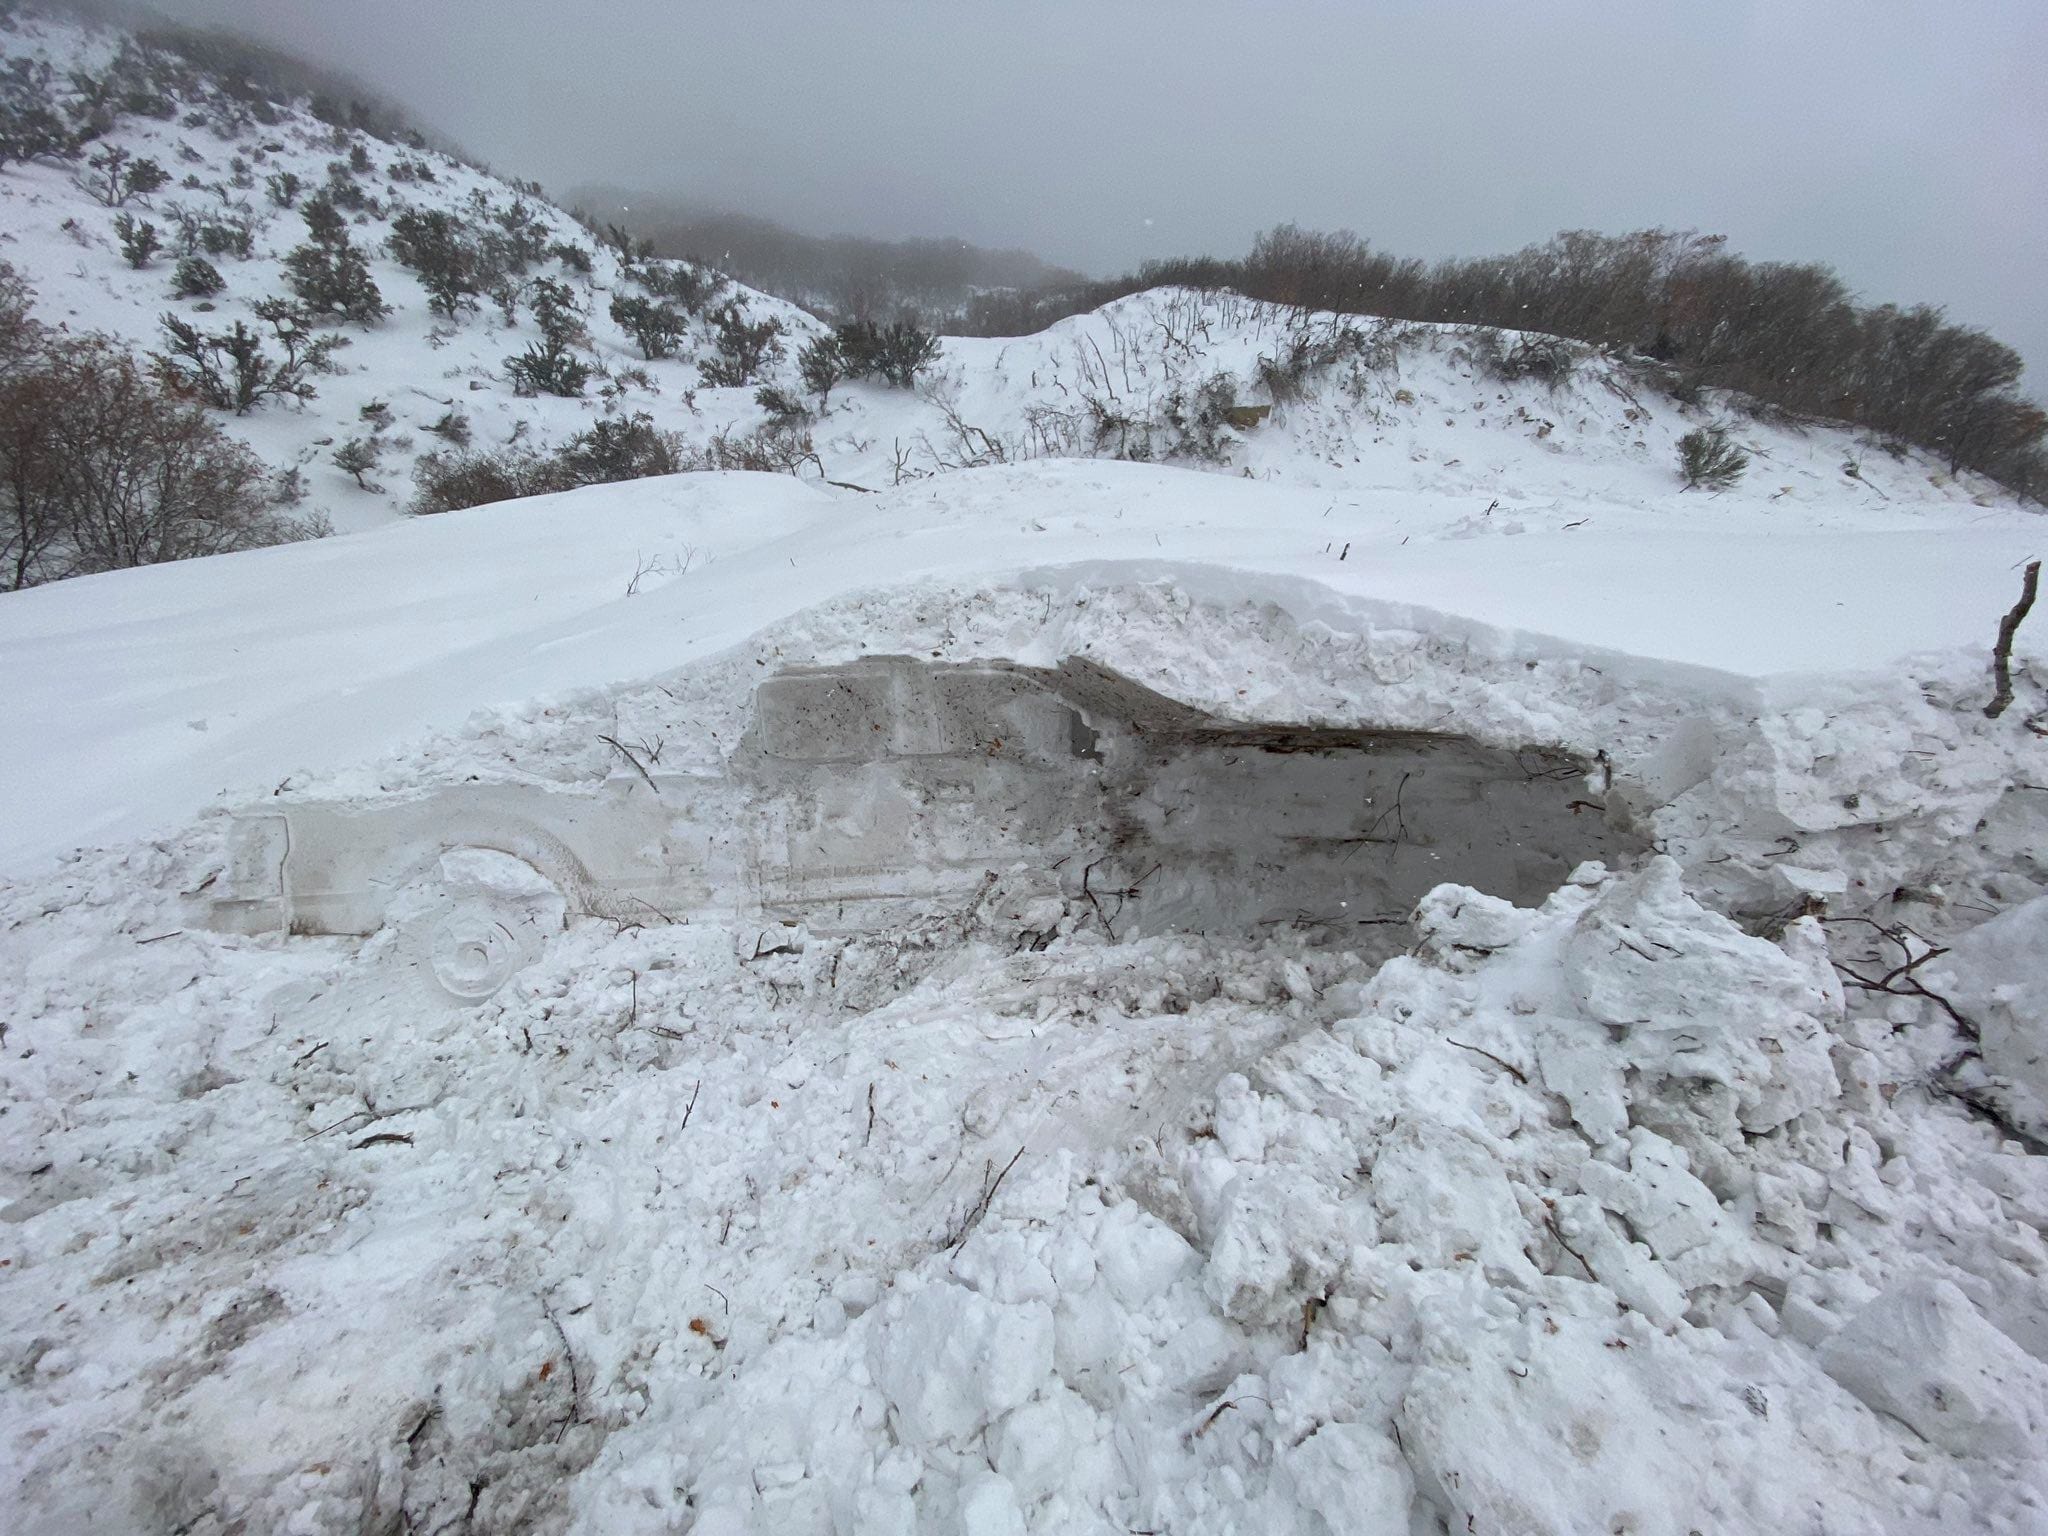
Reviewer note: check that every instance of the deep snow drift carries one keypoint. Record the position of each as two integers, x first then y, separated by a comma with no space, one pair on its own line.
1606,1214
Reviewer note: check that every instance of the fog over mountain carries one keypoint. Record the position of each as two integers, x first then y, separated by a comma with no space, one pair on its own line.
1906,145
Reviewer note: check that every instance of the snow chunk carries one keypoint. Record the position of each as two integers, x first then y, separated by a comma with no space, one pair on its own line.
1702,1001
1923,1354
1658,1197
951,1362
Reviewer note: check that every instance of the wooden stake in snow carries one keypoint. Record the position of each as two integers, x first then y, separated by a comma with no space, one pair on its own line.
2001,653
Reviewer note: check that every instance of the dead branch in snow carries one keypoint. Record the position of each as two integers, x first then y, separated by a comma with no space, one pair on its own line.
988,1195
1508,1066
2001,652
1900,981
638,766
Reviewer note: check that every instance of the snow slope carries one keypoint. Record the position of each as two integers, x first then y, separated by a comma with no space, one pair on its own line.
1657,1207
420,365
138,697
1379,408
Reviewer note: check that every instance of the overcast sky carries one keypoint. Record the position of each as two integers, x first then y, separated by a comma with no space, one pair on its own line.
1905,143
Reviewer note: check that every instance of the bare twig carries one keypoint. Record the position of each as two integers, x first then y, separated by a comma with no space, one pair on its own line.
988,1196
2001,652
1508,1066
575,1374
638,767
1900,981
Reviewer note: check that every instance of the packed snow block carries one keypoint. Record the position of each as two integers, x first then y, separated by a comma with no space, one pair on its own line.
1732,1022
1445,1195
1997,976
1276,1240
1458,927
1657,1195
1564,1439
1353,1479
1921,1353
951,1362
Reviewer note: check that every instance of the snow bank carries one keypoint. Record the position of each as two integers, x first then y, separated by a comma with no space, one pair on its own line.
137,698
1580,1215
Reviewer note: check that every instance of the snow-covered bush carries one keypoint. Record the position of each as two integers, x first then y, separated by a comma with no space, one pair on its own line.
231,370
139,239
1708,461
31,127
195,277
614,449
745,347
438,249
1549,359
330,274
116,176
861,349
357,457
655,328
551,366
685,284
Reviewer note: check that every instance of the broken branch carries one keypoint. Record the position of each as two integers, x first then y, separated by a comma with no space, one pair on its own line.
2001,652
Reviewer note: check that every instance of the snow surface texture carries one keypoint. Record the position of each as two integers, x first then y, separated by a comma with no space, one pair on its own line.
1601,1216
1612,1214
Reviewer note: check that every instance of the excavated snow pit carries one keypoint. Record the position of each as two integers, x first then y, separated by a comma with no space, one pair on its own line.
887,791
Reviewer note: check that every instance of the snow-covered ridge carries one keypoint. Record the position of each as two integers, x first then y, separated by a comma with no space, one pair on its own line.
1362,406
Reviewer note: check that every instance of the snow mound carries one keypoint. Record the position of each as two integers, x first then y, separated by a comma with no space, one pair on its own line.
911,1232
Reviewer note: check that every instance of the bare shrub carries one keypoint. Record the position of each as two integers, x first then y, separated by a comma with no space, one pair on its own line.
101,468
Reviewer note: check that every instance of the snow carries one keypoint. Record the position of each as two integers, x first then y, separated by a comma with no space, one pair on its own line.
1630,1208
138,697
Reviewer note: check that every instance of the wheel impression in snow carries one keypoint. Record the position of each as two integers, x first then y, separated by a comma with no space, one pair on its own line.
476,918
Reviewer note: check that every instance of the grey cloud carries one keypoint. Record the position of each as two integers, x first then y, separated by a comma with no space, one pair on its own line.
1905,144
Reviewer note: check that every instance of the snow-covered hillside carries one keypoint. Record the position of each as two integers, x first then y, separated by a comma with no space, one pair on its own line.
1361,406
1701,1192
421,365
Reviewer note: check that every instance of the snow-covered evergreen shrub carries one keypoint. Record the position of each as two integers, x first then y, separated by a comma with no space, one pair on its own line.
861,349
357,457
744,348
233,371
655,328
196,278
138,237
438,249
1708,461
329,273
